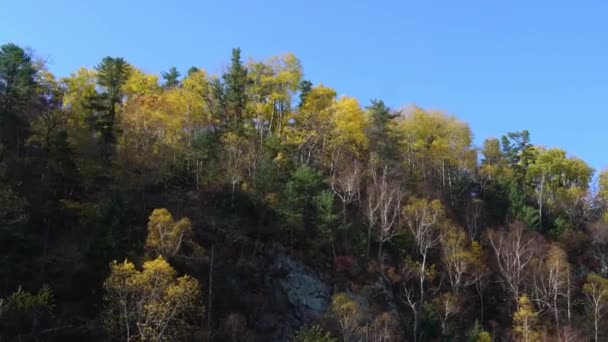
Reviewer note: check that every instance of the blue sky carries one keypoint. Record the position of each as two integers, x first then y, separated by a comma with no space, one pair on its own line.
498,65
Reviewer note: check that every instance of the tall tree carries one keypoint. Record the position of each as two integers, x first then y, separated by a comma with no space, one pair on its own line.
596,291
236,83
17,86
171,77
112,74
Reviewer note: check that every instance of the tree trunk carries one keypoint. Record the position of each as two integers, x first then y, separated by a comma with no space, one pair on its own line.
210,293
369,239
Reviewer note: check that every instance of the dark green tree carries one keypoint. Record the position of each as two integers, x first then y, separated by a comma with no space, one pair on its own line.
112,73
171,77
382,139
305,87
236,84
17,86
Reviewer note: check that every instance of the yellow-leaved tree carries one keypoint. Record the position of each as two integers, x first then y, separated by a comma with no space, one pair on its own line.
524,320
153,304
165,235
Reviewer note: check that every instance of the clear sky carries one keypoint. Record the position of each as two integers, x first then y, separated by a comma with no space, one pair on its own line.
498,65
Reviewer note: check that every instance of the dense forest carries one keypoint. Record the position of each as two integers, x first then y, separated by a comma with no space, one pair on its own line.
257,206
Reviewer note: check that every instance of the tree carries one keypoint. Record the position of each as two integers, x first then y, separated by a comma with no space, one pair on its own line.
519,152
447,304
422,217
478,334
305,87
458,259
347,311
346,184
297,198
166,236
552,283
524,320
383,210
551,171
380,132
596,292
236,83
437,146
17,86
513,251
326,217
153,304
171,77
112,74
17,73
313,334
24,314
311,126
235,159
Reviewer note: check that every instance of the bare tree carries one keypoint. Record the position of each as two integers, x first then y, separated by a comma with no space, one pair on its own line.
472,217
383,210
422,217
513,251
346,184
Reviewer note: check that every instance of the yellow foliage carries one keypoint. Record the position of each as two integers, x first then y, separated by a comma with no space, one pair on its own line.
140,83
524,320
437,137
165,236
349,124
149,305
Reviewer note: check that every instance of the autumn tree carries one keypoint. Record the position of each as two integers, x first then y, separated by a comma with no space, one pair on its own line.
166,236
437,146
153,304
458,258
347,311
382,209
447,305
346,184
596,292
551,171
551,278
525,320
309,132
422,218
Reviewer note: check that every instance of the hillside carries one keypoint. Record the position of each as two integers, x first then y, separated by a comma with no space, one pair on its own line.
256,206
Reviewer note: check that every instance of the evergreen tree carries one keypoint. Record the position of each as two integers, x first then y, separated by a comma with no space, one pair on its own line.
236,84
171,77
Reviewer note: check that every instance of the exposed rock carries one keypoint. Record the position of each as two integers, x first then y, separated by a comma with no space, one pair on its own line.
307,294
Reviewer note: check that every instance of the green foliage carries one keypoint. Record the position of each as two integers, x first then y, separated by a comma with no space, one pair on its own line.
23,312
85,160
171,77
478,334
236,83
298,193
17,83
313,334
326,217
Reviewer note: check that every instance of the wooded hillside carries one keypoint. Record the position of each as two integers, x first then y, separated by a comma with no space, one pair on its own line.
257,206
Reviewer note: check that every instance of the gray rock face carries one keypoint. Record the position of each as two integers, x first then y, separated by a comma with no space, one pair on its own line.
306,293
